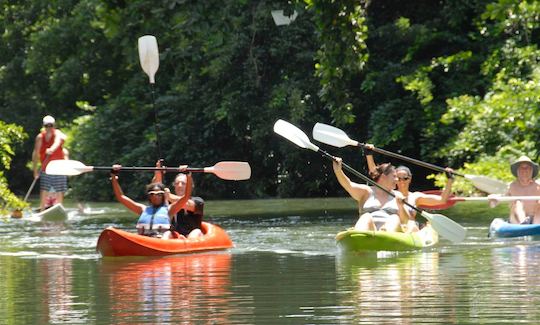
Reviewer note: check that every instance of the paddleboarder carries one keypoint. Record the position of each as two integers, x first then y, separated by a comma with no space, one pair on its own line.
48,146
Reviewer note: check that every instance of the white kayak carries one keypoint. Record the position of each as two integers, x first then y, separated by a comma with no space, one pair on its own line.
55,213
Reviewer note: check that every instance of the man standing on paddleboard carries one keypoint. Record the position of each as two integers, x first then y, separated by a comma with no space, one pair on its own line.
48,146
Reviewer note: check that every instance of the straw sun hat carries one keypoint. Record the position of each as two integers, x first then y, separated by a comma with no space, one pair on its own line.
524,159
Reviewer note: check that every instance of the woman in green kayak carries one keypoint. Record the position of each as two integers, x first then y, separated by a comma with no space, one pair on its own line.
378,210
404,177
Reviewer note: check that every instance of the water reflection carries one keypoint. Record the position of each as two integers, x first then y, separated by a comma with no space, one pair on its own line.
388,289
168,289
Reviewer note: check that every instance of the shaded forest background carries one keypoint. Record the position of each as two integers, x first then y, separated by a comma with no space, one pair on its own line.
454,83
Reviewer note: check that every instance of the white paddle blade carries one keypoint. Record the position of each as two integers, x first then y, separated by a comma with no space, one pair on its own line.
67,167
230,170
331,135
446,227
149,56
488,185
294,134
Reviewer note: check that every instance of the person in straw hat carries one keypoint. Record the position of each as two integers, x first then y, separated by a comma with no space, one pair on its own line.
525,171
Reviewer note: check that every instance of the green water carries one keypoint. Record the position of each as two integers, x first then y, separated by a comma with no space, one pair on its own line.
284,269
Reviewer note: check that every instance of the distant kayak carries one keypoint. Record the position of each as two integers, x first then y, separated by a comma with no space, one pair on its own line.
55,213
358,241
501,228
116,242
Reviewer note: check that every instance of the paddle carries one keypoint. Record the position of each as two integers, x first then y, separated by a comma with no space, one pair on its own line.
17,213
228,170
335,137
443,225
149,58
454,199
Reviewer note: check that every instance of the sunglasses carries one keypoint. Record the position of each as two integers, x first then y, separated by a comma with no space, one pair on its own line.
156,193
48,125
406,178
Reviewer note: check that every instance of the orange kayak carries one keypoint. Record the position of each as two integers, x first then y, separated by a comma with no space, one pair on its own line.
116,242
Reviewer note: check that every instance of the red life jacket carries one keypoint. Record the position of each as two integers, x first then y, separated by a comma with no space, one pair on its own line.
56,155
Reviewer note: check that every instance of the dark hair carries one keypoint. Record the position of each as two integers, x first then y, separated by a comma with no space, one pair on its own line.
155,187
382,169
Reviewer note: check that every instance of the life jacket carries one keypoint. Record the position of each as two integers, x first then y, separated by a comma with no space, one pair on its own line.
154,220
58,154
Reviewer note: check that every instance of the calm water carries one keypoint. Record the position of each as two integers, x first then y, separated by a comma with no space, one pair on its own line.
285,269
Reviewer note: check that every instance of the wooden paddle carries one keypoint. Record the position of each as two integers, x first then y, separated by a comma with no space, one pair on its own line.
454,199
228,170
444,226
336,137
149,59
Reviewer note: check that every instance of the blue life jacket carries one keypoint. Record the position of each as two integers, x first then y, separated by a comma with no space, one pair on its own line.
154,220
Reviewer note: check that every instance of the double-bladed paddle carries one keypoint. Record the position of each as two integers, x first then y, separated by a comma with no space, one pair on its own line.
336,137
228,170
454,199
149,59
444,226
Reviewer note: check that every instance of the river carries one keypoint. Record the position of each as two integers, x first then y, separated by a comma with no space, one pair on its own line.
284,269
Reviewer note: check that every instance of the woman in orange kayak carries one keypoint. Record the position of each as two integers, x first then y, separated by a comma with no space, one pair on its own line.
187,222
154,219
378,210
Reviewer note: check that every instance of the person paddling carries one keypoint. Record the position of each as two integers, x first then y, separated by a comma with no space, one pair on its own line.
523,211
378,210
48,146
155,218
404,176
187,222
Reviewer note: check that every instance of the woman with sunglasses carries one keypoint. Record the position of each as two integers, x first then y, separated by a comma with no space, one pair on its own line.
155,218
378,210
404,177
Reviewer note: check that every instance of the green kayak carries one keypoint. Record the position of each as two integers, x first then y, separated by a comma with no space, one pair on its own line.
353,240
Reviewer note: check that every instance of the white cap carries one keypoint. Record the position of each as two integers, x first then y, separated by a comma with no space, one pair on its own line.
48,120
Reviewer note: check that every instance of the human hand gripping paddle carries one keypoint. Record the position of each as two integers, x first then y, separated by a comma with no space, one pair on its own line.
228,170
336,137
446,227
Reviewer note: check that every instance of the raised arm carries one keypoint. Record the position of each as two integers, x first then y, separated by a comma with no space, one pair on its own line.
357,191
158,175
126,201
182,200
368,152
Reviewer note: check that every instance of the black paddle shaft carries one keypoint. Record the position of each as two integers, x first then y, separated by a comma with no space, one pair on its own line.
411,160
149,169
367,179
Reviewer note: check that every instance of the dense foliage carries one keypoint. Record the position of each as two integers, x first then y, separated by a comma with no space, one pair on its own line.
449,82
